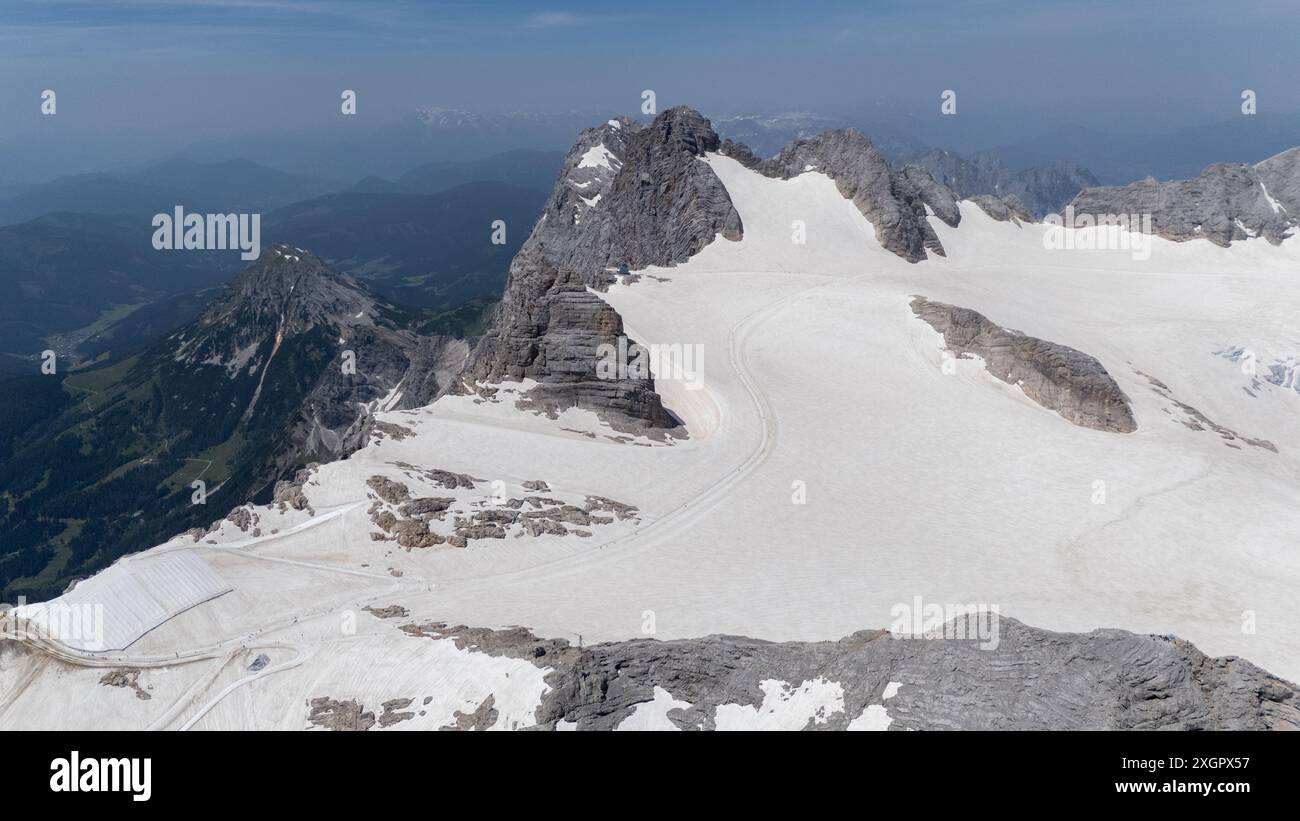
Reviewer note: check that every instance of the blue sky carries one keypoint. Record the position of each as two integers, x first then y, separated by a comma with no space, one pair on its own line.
136,71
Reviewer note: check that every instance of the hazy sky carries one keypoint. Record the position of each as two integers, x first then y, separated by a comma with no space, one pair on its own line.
144,76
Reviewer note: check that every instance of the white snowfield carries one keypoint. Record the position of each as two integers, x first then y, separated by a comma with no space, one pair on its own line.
835,469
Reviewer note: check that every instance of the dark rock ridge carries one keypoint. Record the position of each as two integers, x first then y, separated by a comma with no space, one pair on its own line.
630,195
291,309
1281,175
894,202
549,329
1037,191
1003,209
1032,679
1229,201
1061,379
635,195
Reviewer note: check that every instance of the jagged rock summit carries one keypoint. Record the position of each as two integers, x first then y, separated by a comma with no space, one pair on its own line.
1226,203
629,196
298,331
633,195
892,201
287,291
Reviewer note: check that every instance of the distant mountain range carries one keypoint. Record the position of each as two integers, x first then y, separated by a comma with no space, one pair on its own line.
471,168
79,275
63,272
522,167
233,185
99,463
426,250
425,135
766,134
1041,190
1111,157
1116,158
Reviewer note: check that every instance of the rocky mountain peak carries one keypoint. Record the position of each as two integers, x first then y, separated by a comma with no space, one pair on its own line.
293,290
685,128
893,201
1227,202
629,196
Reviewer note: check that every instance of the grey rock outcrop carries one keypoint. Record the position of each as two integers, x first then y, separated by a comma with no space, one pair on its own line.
1280,174
551,331
1073,384
1033,680
1039,191
1003,209
630,195
1029,679
1228,202
893,202
914,182
634,195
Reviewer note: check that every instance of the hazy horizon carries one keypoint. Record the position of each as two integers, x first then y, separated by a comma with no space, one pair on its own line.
143,79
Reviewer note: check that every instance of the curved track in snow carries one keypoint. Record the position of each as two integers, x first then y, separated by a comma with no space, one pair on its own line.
645,538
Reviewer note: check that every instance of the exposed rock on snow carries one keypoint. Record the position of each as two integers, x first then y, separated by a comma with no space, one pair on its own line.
1196,420
390,491
1034,679
658,205
392,611
1229,201
1003,209
1279,175
329,714
288,494
128,679
548,328
393,711
1059,378
469,517
483,717
894,202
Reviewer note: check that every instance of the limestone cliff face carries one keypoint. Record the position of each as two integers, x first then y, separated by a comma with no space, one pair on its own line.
635,195
894,202
550,332
1280,174
1033,680
972,674
1004,209
1070,382
630,196
1228,202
